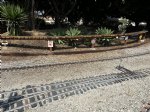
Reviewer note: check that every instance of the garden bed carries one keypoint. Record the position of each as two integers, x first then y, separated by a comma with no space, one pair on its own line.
83,49
38,45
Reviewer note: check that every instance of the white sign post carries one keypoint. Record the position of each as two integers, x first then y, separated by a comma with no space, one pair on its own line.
50,44
126,37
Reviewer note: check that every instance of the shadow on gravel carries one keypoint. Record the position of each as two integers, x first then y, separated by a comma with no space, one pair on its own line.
23,54
27,46
13,98
40,95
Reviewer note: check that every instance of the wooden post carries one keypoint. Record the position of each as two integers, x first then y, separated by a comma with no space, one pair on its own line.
50,48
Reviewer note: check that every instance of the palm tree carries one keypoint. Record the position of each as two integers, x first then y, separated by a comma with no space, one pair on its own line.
14,15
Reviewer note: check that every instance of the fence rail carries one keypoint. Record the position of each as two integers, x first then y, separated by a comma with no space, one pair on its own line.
69,37
123,39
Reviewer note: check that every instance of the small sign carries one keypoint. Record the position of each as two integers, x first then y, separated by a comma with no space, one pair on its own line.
50,44
126,38
93,41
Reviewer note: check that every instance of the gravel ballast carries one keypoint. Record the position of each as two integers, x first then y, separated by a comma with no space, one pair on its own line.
122,97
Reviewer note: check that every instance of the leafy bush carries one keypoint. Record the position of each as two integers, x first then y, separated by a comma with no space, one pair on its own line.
73,32
123,26
14,15
58,32
104,41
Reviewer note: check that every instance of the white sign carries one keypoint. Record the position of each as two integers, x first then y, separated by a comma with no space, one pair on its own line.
126,38
93,41
50,44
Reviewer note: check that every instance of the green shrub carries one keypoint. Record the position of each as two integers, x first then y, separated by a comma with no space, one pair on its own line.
123,26
104,31
14,15
104,41
58,32
73,32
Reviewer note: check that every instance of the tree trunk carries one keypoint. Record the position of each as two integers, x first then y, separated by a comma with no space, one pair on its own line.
32,14
57,21
31,21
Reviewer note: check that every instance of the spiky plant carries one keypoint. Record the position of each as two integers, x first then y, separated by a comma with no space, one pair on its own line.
73,32
104,31
104,41
58,32
14,15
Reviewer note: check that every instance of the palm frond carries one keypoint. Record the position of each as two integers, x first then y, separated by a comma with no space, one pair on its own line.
14,15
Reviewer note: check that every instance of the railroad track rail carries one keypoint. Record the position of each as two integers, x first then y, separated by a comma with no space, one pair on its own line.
33,96
5,69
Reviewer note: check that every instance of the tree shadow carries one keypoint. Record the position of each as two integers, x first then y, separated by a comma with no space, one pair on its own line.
12,99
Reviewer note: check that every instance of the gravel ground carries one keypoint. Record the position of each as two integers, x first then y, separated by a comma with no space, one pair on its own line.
124,97
17,61
46,75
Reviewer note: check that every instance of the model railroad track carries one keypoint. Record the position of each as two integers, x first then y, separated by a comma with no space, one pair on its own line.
69,63
33,96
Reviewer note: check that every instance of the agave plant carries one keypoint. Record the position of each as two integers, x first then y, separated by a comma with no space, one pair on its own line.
105,41
73,32
104,31
14,15
58,32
